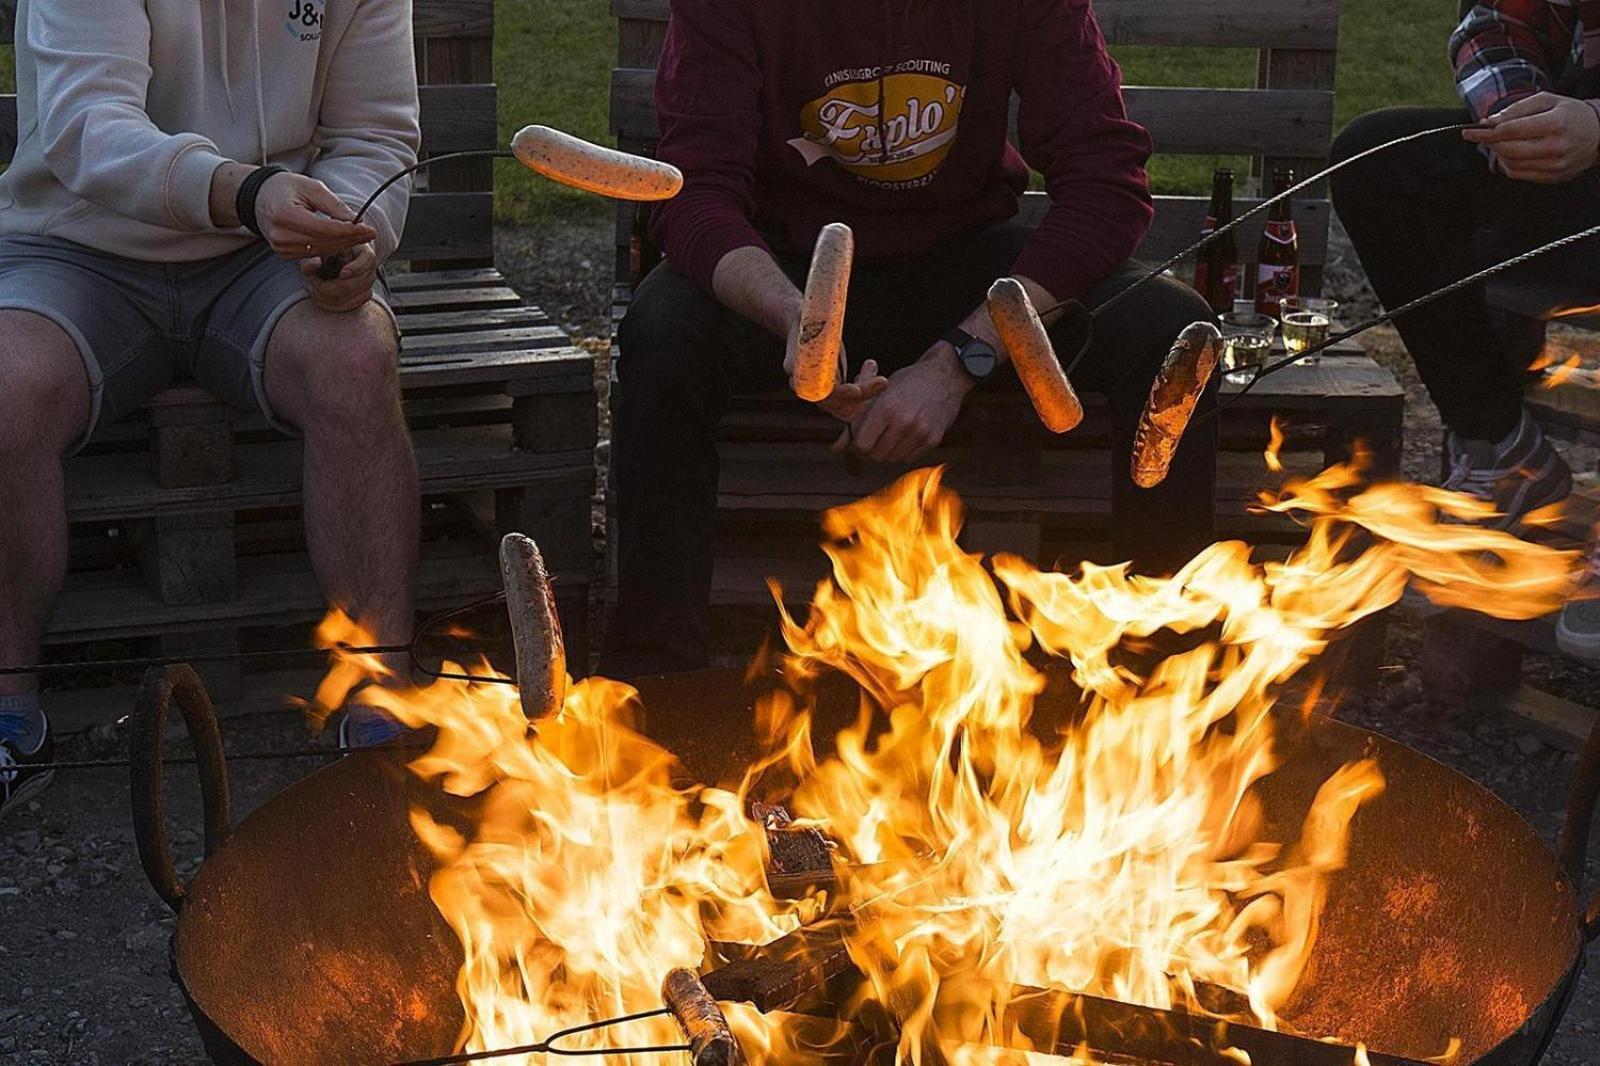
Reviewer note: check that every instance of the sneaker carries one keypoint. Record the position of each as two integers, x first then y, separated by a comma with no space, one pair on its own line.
1518,477
21,778
367,727
1578,628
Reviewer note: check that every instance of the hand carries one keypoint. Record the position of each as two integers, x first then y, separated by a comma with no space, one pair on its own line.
301,218
1544,138
914,413
847,398
351,289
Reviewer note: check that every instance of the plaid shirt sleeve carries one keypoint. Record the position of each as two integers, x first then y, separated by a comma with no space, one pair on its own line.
1505,50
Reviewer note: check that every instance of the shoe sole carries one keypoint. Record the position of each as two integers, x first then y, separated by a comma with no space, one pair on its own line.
34,785
1578,645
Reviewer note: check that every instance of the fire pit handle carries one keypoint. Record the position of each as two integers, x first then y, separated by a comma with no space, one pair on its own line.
160,688
1580,819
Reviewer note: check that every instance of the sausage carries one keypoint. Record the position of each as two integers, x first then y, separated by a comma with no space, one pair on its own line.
1023,334
821,343
592,168
1183,378
535,628
711,1042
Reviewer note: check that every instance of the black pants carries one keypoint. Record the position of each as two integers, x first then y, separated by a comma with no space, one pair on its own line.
1430,212
684,355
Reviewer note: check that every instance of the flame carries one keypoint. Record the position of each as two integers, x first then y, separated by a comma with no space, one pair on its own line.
1274,452
1124,856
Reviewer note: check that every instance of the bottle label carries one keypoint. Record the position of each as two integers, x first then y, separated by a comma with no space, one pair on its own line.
1274,281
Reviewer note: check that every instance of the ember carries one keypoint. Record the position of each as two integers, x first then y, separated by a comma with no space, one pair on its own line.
1125,857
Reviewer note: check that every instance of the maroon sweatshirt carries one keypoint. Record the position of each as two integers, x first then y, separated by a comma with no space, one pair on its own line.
893,117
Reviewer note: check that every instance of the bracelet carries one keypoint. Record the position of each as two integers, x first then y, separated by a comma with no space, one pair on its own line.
244,203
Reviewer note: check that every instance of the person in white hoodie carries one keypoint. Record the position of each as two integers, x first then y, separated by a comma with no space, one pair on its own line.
182,168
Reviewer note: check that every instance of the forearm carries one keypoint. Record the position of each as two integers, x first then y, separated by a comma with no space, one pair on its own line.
749,282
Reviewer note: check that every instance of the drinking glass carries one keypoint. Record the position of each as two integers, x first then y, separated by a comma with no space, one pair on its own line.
1247,339
1307,321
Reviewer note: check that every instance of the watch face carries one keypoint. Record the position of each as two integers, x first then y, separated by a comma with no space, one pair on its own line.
978,359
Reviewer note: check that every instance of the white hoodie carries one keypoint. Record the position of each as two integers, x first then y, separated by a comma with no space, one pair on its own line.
125,108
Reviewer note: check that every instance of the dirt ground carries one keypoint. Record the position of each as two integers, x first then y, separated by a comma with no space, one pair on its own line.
83,940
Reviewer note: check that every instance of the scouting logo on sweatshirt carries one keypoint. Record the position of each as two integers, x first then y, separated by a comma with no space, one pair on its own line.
921,113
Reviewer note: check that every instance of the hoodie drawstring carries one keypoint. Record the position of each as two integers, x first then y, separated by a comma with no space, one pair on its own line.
227,68
261,97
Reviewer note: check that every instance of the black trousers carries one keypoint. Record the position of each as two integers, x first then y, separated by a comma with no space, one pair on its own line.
1430,212
684,355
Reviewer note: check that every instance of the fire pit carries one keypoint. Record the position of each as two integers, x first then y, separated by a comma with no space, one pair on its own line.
347,919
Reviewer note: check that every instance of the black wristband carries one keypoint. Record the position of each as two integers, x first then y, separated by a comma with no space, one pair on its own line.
244,203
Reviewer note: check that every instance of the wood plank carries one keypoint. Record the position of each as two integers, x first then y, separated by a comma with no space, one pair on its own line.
449,226
474,278
1178,219
1558,722
486,340
273,590
418,300
1211,23
432,322
455,118
1573,403
117,487
1182,121
451,18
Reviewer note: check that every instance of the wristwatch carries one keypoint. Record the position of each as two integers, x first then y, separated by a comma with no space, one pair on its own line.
976,358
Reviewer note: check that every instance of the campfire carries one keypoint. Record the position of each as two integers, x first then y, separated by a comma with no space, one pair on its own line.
953,875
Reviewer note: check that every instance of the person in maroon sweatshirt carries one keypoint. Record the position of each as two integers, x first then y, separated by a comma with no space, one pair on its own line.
894,119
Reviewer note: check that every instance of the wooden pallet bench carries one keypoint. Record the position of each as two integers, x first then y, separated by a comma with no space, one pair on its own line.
1050,497
185,518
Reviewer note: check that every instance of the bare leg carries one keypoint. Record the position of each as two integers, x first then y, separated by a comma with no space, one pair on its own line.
335,377
44,410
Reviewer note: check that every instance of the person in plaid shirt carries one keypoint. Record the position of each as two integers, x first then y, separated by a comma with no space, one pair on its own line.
1426,213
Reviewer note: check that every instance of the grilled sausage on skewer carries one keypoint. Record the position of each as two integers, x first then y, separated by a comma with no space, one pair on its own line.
821,343
711,1042
535,628
571,161
1023,334
1184,376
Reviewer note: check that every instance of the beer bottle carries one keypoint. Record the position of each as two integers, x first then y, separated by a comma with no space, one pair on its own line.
1278,259
1216,269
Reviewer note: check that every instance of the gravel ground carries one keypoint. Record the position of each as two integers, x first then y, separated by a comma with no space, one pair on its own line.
83,969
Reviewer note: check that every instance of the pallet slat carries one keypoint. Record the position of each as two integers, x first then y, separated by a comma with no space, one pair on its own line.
1211,23
113,488
1182,121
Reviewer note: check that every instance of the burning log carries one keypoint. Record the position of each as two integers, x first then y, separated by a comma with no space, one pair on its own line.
782,974
800,861
711,1042
535,628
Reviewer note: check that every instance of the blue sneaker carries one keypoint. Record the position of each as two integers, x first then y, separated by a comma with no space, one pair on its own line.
367,727
21,776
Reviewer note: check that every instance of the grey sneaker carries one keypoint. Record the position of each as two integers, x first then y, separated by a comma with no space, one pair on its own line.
1578,628
1518,479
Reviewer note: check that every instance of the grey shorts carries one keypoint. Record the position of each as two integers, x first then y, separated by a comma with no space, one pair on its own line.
142,326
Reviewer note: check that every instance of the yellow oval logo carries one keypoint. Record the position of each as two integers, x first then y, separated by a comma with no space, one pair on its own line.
920,115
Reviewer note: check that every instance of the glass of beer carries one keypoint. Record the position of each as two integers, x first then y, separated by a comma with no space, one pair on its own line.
1247,339
1307,321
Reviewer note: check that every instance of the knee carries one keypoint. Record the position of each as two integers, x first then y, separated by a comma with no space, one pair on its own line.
44,388
338,367
663,339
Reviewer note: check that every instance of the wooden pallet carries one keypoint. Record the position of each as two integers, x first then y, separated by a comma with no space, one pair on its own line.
185,517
